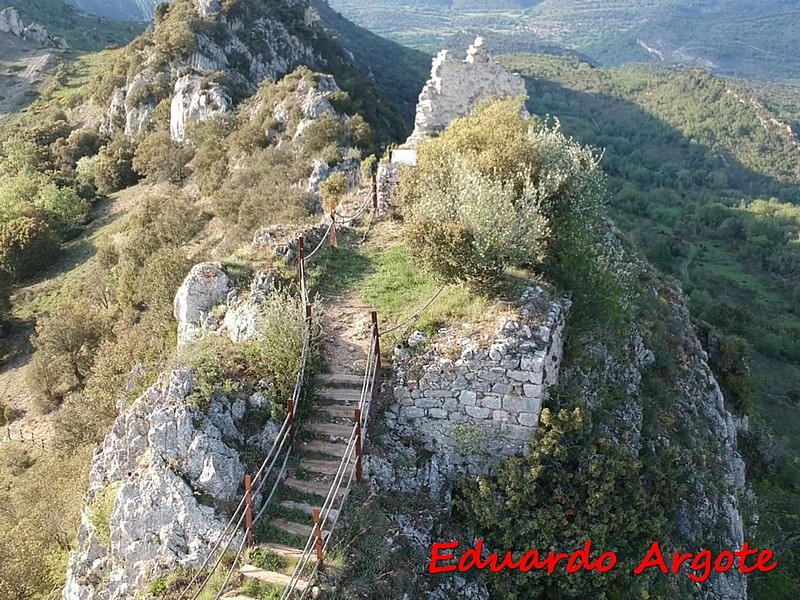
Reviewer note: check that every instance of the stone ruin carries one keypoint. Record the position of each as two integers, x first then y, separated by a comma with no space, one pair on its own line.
454,89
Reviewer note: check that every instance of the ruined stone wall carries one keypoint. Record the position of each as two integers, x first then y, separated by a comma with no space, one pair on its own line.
457,86
473,402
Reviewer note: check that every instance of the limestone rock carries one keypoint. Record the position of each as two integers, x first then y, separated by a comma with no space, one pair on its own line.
205,286
456,87
160,479
196,100
351,167
10,21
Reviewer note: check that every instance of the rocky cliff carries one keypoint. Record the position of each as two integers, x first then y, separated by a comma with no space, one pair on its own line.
171,468
10,22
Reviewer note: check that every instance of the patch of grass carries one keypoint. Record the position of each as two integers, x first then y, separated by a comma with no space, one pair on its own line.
263,558
100,511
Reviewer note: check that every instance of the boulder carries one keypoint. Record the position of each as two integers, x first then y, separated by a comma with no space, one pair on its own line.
205,286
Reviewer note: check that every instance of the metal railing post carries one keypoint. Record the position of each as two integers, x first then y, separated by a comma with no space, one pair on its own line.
376,334
374,191
248,508
359,450
318,545
333,229
290,410
301,257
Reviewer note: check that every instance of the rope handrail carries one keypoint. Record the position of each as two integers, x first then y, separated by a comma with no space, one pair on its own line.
321,242
355,215
336,485
266,467
416,315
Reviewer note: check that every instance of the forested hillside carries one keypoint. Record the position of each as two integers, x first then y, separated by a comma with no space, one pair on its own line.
733,37
709,187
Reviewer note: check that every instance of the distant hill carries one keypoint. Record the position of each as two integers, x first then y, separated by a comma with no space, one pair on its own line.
125,10
731,37
82,31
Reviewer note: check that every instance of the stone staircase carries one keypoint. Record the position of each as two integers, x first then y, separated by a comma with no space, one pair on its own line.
318,451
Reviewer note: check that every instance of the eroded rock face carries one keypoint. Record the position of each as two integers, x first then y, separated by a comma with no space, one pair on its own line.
456,87
205,286
198,101
10,21
155,490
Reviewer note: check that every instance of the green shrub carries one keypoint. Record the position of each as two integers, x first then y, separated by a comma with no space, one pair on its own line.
113,167
26,247
498,190
62,208
160,159
66,346
332,189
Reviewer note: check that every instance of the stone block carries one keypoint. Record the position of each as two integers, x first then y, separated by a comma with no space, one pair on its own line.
437,413
476,412
519,375
528,419
501,388
532,390
510,363
401,392
468,398
450,404
416,394
501,416
406,401
439,394
491,401
427,403
515,403
517,432
412,412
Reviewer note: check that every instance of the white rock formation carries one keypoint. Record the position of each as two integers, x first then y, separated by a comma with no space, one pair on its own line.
153,489
205,286
456,87
196,100
10,21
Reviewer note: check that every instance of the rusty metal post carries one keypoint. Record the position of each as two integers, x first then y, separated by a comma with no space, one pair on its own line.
376,333
318,545
290,409
248,509
333,229
374,191
308,312
301,257
359,449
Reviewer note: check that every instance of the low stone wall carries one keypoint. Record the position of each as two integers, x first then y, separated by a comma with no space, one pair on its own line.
388,178
474,403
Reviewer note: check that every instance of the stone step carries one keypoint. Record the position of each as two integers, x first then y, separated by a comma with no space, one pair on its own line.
331,430
340,395
307,486
341,380
329,448
291,527
271,577
286,551
338,411
324,467
308,509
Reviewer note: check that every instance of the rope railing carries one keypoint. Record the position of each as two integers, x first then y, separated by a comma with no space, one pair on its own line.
315,545
415,316
360,211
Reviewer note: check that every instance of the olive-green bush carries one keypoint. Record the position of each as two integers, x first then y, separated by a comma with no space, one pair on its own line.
26,246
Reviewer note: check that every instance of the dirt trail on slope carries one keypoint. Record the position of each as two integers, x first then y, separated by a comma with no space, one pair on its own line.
346,331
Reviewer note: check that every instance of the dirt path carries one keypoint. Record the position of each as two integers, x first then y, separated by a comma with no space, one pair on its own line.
22,67
346,327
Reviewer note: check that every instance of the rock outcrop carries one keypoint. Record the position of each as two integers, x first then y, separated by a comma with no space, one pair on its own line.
168,475
10,22
205,287
198,101
154,489
456,87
